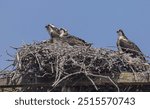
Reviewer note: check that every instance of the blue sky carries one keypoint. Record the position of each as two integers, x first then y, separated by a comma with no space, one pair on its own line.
96,21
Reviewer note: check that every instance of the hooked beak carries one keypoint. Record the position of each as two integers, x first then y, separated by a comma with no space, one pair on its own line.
49,26
118,31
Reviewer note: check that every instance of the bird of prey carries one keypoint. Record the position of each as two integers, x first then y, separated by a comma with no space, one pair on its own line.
124,45
53,31
72,40
63,32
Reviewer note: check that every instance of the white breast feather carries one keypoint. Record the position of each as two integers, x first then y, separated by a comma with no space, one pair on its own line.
122,38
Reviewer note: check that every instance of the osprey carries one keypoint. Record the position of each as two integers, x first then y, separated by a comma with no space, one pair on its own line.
63,32
53,31
72,40
124,45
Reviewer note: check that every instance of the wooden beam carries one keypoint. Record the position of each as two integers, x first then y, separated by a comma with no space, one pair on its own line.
125,78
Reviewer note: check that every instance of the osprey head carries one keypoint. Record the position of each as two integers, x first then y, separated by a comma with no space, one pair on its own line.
120,32
52,29
63,32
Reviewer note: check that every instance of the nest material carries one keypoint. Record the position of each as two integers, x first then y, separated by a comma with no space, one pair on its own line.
58,63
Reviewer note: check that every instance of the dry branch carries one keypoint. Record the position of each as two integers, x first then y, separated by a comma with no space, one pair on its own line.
60,64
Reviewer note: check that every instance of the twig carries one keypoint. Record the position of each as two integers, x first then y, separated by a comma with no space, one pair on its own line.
106,77
14,47
65,77
9,54
6,68
92,82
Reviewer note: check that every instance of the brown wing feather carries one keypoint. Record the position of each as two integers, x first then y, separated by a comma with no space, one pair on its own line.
130,47
72,40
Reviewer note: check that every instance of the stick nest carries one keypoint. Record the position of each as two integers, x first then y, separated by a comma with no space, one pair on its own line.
59,64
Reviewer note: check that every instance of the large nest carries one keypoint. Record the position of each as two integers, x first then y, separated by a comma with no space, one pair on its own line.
61,64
